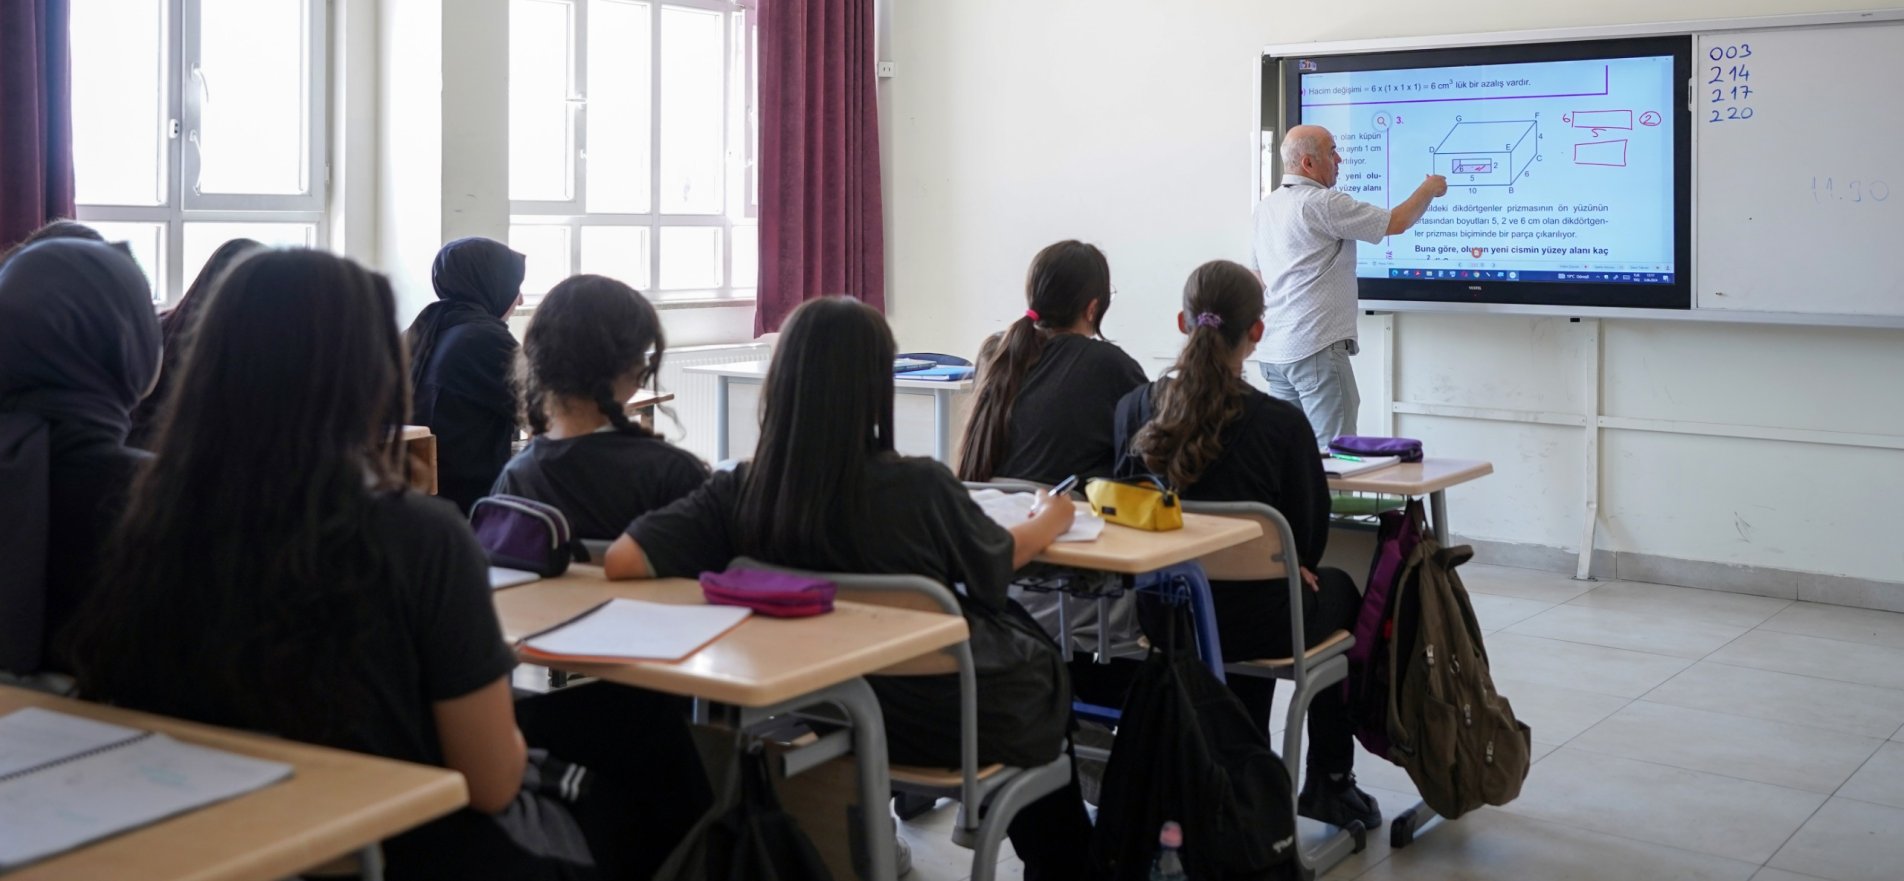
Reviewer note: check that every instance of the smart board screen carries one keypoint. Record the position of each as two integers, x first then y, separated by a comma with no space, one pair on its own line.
1566,167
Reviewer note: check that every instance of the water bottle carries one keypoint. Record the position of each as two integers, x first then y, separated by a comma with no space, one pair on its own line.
1168,866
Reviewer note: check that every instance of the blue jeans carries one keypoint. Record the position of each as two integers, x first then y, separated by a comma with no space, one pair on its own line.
1323,385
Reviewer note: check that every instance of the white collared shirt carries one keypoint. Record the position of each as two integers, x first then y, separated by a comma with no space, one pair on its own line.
1305,251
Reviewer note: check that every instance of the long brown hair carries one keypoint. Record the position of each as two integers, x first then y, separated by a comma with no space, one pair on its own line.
1190,409
246,557
1064,279
587,333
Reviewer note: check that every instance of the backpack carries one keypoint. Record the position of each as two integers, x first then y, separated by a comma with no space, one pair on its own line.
1450,729
1187,751
1368,682
746,836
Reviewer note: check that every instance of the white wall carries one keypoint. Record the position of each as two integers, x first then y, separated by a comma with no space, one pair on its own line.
1127,123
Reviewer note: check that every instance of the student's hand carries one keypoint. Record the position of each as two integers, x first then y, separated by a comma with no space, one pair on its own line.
1435,185
1058,512
1309,578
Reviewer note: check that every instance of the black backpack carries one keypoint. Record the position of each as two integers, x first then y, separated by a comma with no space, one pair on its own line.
1187,751
746,836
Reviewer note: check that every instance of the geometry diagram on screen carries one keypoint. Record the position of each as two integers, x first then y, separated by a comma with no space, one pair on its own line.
1487,154
1611,154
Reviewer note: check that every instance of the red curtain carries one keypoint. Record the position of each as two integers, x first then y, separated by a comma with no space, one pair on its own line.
821,228
36,116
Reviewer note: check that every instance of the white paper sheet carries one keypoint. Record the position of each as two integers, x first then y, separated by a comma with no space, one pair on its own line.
1010,508
636,630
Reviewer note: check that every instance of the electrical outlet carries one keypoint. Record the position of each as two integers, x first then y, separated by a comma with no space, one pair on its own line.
885,70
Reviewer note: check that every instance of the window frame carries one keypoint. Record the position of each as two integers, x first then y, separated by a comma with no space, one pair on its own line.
740,206
181,204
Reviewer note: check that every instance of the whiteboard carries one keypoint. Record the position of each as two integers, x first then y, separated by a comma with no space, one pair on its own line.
1799,168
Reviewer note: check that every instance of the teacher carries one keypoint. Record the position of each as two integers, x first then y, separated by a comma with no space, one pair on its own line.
1305,254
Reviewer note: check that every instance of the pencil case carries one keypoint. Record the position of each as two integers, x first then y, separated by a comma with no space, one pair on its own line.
1139,502
774,594
1405,448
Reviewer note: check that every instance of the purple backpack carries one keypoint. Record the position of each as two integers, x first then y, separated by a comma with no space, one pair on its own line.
525,534
1369,674
1406,448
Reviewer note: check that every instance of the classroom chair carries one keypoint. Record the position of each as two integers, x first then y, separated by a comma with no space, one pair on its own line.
1324,666
989,796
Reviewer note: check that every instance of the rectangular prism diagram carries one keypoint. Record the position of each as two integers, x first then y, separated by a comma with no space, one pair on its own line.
1487,154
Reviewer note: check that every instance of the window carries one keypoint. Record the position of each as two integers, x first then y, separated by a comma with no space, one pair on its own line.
197,121
632,139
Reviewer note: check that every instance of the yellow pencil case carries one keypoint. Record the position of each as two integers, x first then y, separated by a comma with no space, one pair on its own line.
1139,502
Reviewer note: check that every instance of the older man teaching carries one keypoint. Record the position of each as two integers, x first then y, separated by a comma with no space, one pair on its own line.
1305,253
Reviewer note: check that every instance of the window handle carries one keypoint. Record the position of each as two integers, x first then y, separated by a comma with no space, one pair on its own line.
204,84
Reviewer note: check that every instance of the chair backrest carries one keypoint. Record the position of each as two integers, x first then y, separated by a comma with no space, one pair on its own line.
1006,485
914,592
596,549
1260,559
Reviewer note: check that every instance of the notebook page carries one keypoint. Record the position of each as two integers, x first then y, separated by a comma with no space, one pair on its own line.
55,809
33,736
1007,509
636,630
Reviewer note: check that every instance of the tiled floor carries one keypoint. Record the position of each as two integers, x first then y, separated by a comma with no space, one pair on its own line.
1679,733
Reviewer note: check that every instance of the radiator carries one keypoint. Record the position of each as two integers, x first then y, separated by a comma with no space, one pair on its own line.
688,420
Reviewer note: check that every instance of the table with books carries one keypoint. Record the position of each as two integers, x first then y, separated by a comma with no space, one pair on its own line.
941,387
756,668
1429,477
148,797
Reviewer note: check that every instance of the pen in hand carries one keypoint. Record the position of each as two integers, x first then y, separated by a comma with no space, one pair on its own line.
1056,492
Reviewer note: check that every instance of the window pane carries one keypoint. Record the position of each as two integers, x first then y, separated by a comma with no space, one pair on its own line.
690,258
547,248
254,88
739,111
201,239
619,116
147,241
541,137
746,256
119,103
693,157
619,252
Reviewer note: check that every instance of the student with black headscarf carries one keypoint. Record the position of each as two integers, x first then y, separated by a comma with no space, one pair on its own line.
461,355
173,326
79,346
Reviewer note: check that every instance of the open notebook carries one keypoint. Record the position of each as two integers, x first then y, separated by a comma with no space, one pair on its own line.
1339,466
633,630
1007,509
67,780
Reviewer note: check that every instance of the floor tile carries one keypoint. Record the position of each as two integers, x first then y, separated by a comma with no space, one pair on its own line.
1557,714
1492,845
1811,656
1752,749
1717,606
1881,780
934,856
1528,584
1840,622
1679,637
1578,666
1495,612
1847,841
1785,697
1769,874
1691,810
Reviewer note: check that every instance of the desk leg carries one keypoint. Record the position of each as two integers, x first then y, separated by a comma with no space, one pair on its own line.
720,419
942,427
1438,508
370,863
875,782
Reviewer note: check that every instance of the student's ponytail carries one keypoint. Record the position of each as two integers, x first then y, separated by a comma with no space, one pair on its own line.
1064,279
1204,394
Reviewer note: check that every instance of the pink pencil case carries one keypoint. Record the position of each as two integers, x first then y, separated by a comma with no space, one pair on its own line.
775,594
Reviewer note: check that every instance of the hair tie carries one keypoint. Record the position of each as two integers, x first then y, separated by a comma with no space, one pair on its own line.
1209,319
1032,314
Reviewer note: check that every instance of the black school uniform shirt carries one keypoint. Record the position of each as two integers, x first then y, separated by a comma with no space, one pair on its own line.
602,481
87,491
465,398
1061,420
1269,456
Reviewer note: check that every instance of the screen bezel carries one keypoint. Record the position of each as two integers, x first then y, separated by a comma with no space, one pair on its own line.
1677,295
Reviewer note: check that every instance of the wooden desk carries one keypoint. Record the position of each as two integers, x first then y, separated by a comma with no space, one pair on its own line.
1128,551
334,803
422,446
1429,477
755,372
641,406
762,662
764,667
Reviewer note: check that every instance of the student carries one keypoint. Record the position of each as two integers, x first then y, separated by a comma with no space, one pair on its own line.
1048,384
1209,434
586,352
273,573
173,327
826,491
56,229
460,357
78,346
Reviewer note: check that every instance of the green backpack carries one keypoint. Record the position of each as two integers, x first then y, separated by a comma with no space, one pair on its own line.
1450,729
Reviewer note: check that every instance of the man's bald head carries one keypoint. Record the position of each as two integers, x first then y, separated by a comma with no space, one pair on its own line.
1309,150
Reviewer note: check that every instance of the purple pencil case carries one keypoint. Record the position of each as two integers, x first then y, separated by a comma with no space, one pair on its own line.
775,594
1406,448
